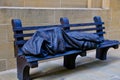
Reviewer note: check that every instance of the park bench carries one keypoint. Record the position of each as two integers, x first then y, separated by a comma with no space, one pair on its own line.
25,62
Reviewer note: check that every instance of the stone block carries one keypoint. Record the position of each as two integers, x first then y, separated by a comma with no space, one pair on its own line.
38,16
42,3
3,34
74,3
28,16
11,63
3,64
96,3
81,15
8,14
10,35
114,35
115,22
6,33
12,3
6,50
115,5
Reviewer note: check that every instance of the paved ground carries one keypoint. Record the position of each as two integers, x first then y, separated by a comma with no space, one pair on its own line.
88,68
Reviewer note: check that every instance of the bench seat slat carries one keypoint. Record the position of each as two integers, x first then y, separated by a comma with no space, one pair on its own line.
109,43
34,58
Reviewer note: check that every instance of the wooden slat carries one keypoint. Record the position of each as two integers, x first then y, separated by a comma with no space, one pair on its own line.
30,34
88,29
21,42
99,33
71,25
85,24
36,58
109,43
35,27
23,35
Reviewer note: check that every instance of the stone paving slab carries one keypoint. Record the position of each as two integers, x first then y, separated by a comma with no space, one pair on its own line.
88,68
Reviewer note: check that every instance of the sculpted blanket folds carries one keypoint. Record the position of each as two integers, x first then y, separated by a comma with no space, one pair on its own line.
50,41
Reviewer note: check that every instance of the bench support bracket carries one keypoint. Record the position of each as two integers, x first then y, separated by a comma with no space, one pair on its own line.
69,61
101,53
23,68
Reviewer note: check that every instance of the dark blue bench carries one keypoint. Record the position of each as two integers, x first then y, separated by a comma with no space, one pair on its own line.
24,63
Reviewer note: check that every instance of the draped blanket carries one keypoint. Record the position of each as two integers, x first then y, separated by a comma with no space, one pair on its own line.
50,41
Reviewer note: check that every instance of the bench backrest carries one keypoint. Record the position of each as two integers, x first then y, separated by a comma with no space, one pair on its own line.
20,35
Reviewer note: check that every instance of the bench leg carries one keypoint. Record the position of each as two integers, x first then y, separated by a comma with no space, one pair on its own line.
69,61
22,69
101,53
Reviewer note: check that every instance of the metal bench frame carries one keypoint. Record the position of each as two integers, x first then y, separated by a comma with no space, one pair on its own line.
24,63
